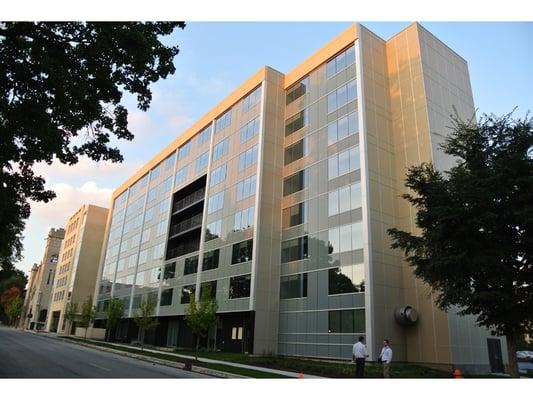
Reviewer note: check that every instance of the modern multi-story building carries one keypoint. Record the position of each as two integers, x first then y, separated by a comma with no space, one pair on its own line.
278,202
42,282
78,263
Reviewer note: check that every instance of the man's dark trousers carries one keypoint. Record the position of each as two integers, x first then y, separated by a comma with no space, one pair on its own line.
359,367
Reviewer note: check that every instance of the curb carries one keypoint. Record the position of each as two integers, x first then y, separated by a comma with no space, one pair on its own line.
167,363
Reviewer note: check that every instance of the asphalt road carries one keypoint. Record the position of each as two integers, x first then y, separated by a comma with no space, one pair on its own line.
29,355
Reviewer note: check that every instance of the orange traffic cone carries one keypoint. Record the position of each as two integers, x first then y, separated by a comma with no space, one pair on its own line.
301,376
457,373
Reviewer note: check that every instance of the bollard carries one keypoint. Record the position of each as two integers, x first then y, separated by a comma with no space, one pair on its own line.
187,366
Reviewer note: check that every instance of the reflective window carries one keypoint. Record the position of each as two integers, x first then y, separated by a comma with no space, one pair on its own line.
244,219
218,175
343,162
166,297
170,271
191,265
158,251
246,188
346,238
166,185
296,122
349,279
152,194
295,215
155,172
249,130
210,260
213,230
295,182
204,135
242,252
293,286
209,287
201,162
294,249
169,161
297,90
162,228
184,150
344,199
181,175
251,100
148,215
296,151
215,202
143,256
341,61
146,235
341,96
248,158
186,293
239,286
223,121
346,321
343,127
163,206
220,149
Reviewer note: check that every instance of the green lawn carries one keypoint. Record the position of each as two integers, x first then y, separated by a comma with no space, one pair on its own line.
331,369
171,357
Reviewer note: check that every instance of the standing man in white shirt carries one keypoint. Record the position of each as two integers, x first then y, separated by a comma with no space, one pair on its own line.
359,355
386,358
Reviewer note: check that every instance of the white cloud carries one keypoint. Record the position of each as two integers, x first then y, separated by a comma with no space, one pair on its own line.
88,170
55,214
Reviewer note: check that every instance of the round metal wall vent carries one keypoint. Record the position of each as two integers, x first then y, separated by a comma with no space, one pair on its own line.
406,315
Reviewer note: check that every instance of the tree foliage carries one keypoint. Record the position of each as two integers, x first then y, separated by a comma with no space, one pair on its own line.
114,312
71,313
61,92
475,223
144,318
201,316
88,314
14,309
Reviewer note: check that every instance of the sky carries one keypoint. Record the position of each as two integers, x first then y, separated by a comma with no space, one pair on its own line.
217,57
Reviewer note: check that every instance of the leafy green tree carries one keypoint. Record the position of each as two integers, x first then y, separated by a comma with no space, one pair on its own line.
88,314
71,313
201,316
114,312
14,309
475,223
61,97
144,318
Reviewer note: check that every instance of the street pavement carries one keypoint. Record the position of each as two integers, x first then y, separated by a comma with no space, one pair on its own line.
29,355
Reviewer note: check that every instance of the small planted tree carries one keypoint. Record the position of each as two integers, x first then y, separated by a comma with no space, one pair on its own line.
201,316
71,311
144,318
14,309
114,312
88,314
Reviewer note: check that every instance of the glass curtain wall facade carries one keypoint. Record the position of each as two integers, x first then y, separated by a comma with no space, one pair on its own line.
278,200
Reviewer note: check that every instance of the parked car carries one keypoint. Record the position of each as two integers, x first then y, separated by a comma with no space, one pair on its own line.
524,355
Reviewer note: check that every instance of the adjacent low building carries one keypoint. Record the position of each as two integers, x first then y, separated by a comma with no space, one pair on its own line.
41,282
278,202
77,267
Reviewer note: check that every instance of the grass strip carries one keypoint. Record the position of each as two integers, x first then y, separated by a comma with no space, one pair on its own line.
170,357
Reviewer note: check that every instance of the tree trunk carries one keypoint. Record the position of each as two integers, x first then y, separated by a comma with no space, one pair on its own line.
86,329
512,341
107,335
197,346
142,339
